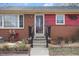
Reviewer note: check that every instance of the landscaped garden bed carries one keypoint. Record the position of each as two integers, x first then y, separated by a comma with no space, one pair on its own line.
70,50
10,53
19,47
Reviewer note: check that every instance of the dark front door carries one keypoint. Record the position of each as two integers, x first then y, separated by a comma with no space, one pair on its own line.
39,25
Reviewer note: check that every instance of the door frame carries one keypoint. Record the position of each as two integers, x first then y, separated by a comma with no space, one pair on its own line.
39,34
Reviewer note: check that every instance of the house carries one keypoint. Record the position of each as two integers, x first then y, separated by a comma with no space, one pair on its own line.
62,20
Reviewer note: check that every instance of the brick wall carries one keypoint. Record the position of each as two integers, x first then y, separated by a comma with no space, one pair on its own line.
23,33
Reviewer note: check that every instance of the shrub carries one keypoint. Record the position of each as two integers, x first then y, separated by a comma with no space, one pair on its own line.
21,45
5,48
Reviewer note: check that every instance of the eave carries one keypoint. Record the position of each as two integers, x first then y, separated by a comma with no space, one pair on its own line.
42,10
38,11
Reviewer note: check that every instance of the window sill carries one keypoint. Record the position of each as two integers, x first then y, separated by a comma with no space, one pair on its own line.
60,23
12,28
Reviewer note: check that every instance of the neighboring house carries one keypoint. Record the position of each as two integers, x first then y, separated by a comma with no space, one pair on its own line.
63,20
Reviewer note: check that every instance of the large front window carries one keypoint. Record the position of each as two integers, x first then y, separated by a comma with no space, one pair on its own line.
11,21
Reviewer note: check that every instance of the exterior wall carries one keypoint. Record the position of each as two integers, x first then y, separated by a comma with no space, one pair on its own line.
70,21
56,30
23,33
50,19
65,31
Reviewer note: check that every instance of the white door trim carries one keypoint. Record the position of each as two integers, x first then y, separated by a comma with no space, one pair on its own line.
41,34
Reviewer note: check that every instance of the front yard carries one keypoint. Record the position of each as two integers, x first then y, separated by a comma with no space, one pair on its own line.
63,51
19,47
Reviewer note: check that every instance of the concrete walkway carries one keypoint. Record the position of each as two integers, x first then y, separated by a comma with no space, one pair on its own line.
37,51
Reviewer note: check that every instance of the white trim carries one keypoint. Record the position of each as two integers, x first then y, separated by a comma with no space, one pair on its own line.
63,19
10,28
18,20
39,34
1,20
23,22
3,15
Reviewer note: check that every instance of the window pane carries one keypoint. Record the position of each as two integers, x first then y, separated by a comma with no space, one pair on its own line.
0,21
60,19
11,21
21,21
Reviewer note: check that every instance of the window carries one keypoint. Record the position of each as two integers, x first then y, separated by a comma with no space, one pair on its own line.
21,21
60,19
11,21
0,21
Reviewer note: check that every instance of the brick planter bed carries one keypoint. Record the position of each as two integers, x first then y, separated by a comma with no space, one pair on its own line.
14,53
14,48
63,51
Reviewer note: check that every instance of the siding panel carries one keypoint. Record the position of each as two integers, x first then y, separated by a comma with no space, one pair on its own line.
50,19
69,21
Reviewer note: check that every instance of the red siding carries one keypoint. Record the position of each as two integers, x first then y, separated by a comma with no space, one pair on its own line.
50,19
69,21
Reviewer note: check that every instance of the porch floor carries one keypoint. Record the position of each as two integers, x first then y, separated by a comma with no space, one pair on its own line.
37,51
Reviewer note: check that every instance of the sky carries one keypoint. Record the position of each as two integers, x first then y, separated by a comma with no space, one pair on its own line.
31,4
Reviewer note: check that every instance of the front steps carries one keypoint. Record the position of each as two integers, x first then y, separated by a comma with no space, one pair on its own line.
39,42
39,47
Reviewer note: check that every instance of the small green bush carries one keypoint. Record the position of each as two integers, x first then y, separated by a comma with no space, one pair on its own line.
21,46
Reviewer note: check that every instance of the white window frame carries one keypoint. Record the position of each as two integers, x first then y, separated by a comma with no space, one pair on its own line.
12,27
63,19
2,21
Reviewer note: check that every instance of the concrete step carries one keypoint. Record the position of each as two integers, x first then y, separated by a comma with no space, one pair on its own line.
39,43
39,46
39,51
39,38
42,46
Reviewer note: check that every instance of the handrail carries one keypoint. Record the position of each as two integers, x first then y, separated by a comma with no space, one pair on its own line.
47,35
31,35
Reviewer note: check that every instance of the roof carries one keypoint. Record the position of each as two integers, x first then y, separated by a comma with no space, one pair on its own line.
40,8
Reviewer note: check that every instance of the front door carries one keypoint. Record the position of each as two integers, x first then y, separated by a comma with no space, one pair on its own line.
39,25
